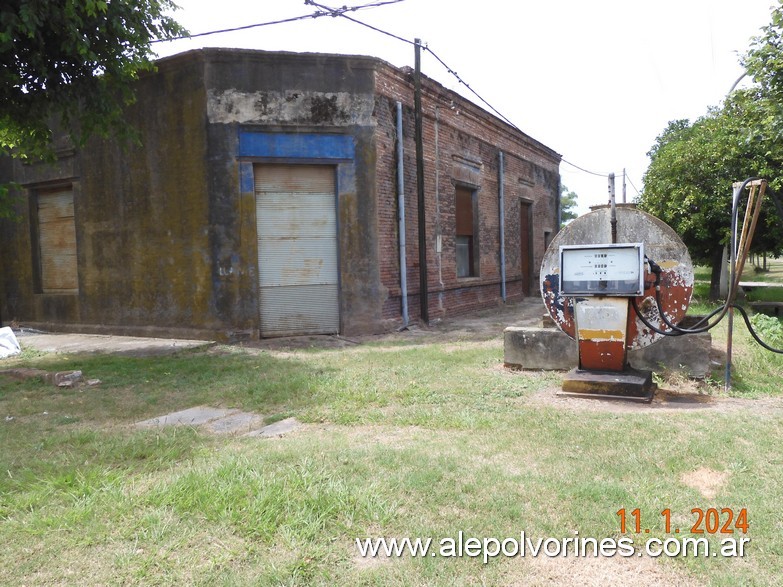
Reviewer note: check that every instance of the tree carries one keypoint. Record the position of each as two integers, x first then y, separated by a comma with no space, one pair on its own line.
688,184
72,64
567,205
764,63
692,166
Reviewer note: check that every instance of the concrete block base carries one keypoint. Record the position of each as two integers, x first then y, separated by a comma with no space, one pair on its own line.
550,349
630,384
538,348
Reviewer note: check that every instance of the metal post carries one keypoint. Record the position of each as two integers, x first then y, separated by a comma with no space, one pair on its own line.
624,188
613,205
401,218
502,213
423,293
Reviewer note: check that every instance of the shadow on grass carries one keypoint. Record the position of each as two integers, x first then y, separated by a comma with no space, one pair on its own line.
135,388
63,444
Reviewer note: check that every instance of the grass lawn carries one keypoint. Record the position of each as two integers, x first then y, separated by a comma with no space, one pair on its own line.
406,440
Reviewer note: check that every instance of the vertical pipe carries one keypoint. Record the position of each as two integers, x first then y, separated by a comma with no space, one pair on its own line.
502,221
401,218
732,269
423,293
438,227
624,188
613,205
558,205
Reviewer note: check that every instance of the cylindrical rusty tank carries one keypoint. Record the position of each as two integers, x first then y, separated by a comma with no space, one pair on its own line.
661,244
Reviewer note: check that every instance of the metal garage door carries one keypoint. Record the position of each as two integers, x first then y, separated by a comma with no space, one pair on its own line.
297,249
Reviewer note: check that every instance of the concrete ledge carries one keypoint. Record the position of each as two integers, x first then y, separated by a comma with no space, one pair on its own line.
688,354
551,349
144,331
538,348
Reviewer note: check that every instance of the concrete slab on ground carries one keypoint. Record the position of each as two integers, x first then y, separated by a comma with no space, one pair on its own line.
223,421
100,343
276,429
236,423
190,417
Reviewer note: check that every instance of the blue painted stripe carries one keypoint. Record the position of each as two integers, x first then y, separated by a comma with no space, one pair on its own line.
246,180
296,145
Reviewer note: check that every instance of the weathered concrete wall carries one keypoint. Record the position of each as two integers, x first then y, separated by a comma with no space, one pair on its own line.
289,94
551,349
141,220
166,231
461,146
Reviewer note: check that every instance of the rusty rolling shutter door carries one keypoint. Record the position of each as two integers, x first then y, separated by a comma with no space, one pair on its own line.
57,241
297,249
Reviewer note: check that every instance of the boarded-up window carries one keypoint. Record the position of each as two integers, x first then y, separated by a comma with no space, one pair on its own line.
466,224
57,242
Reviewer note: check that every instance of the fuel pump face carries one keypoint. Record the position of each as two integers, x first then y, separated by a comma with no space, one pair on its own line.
604,269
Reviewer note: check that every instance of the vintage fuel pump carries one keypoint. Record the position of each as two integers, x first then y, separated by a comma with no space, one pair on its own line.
592,274
618,279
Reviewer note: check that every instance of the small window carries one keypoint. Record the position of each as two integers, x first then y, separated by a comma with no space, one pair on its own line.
466,237
56,232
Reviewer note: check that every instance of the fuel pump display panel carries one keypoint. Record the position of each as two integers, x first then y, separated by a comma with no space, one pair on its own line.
602,270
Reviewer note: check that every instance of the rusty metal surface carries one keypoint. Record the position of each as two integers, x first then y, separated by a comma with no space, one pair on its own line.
661,244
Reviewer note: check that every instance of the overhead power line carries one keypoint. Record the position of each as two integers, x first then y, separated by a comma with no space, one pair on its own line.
325,10
638,193
583,169
334,12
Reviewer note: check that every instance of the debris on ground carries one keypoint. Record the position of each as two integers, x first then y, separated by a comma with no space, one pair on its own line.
9,346
64,379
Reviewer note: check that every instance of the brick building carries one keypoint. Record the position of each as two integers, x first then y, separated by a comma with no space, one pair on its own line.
263,200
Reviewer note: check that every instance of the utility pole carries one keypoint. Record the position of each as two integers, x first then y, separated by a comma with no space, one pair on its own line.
423,293
624,185
613,207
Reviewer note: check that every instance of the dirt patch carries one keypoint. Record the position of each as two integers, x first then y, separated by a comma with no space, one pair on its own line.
665,400
706,481
599,572
479,326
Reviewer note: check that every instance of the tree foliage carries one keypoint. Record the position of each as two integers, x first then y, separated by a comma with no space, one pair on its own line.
567,205
72,63
693,165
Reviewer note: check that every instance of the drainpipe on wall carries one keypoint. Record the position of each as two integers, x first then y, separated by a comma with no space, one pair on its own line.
502,211
557,204
401,219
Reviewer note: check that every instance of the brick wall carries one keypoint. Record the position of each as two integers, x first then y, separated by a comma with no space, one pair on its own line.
462,143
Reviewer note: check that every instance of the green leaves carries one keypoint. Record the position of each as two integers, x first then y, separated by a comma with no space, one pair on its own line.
72,63
567,205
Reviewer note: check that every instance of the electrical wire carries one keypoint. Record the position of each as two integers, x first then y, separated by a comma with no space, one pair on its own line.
474,92
335,12
383,32
326,11
242,28
638,193
585,170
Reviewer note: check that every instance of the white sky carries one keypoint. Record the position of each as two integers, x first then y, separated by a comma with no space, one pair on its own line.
596,81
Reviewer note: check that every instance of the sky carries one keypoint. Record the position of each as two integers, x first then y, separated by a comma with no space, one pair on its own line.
597,81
